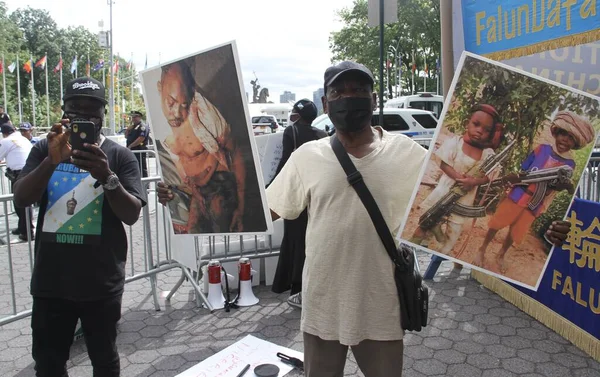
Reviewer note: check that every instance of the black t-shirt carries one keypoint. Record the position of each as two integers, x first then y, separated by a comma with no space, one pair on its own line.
80,244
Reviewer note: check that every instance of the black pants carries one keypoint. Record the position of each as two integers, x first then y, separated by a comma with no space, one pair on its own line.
142,163
22,227
53,324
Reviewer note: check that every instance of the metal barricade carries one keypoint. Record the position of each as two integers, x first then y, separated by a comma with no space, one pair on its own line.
589,187
154,258
147,154
424,141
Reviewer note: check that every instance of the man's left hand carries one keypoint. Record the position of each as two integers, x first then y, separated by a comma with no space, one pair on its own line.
93,160
557,232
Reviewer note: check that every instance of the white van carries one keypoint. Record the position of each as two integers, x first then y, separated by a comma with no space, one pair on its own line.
418,124
424,101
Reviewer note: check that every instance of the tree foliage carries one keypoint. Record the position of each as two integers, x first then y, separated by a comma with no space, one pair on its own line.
416,32
32,33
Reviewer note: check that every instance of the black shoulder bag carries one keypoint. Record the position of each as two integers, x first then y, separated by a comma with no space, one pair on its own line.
412,293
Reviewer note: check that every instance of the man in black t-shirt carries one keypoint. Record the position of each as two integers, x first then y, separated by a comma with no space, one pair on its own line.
81,247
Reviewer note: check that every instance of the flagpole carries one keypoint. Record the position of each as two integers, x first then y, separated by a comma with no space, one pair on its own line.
425,76
47,94
399,93
19,91
32,90
437,72
112,74
413,72
131,71
4,83
61,78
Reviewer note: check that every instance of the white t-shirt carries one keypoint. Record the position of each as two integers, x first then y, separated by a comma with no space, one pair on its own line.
15,148
348,288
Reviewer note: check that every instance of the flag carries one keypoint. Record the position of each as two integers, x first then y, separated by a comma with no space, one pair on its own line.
437,65
87,67
11,67
27,66
42,62
129,65
98,65
146,63
2,66
74,65
426,69
116,66
389,64
59,65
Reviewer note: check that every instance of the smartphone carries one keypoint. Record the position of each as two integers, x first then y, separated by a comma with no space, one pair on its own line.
82,132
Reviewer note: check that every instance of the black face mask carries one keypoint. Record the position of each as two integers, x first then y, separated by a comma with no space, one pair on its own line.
350,114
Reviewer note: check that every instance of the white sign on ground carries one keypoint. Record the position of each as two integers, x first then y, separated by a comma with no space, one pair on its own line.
232,360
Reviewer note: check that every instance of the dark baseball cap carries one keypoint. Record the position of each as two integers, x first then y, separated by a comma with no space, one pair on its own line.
25,126
136,114
7,128
306,109
85,87
334,72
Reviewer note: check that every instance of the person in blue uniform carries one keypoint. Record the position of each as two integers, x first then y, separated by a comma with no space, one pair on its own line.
26,129
137,135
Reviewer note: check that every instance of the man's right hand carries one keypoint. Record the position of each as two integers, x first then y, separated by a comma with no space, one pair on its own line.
164,193
59,148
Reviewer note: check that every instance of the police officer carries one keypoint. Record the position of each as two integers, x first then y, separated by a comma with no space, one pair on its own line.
137,134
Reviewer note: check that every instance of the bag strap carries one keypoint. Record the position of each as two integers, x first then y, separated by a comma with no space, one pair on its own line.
356,180
294,131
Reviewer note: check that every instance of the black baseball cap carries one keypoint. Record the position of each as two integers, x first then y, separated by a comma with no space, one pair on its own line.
137,113
7,128
334,72
85,87
306,109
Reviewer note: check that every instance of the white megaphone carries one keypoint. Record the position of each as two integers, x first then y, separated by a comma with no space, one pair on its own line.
245,296
215,292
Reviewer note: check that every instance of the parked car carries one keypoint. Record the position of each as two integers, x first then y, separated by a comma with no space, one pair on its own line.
419,124
424,101
264,124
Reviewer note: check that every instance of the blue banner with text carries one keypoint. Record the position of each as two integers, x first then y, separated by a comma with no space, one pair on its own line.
571,282
492,26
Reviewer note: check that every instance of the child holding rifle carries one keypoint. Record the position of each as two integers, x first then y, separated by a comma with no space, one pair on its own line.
458,155
517,211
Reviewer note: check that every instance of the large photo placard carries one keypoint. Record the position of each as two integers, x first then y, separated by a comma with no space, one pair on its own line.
205,145
505,161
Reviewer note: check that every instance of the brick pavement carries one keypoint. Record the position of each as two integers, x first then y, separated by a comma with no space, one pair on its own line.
473,332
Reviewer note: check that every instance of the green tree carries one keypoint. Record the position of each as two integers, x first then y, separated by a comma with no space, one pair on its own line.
417,31
32,33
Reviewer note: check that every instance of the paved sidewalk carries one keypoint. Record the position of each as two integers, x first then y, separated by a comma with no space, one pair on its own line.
472,332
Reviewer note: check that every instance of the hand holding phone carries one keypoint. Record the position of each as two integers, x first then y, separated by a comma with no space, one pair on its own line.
58,146
82,132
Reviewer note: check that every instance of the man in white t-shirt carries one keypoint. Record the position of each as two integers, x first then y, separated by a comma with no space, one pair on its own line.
348,289
14,148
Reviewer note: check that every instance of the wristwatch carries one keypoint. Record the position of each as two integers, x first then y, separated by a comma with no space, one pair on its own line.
112,182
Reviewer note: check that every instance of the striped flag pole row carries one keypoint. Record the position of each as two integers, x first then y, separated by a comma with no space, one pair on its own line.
42,63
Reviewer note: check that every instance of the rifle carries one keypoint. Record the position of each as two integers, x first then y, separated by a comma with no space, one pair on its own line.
544,179
448,203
